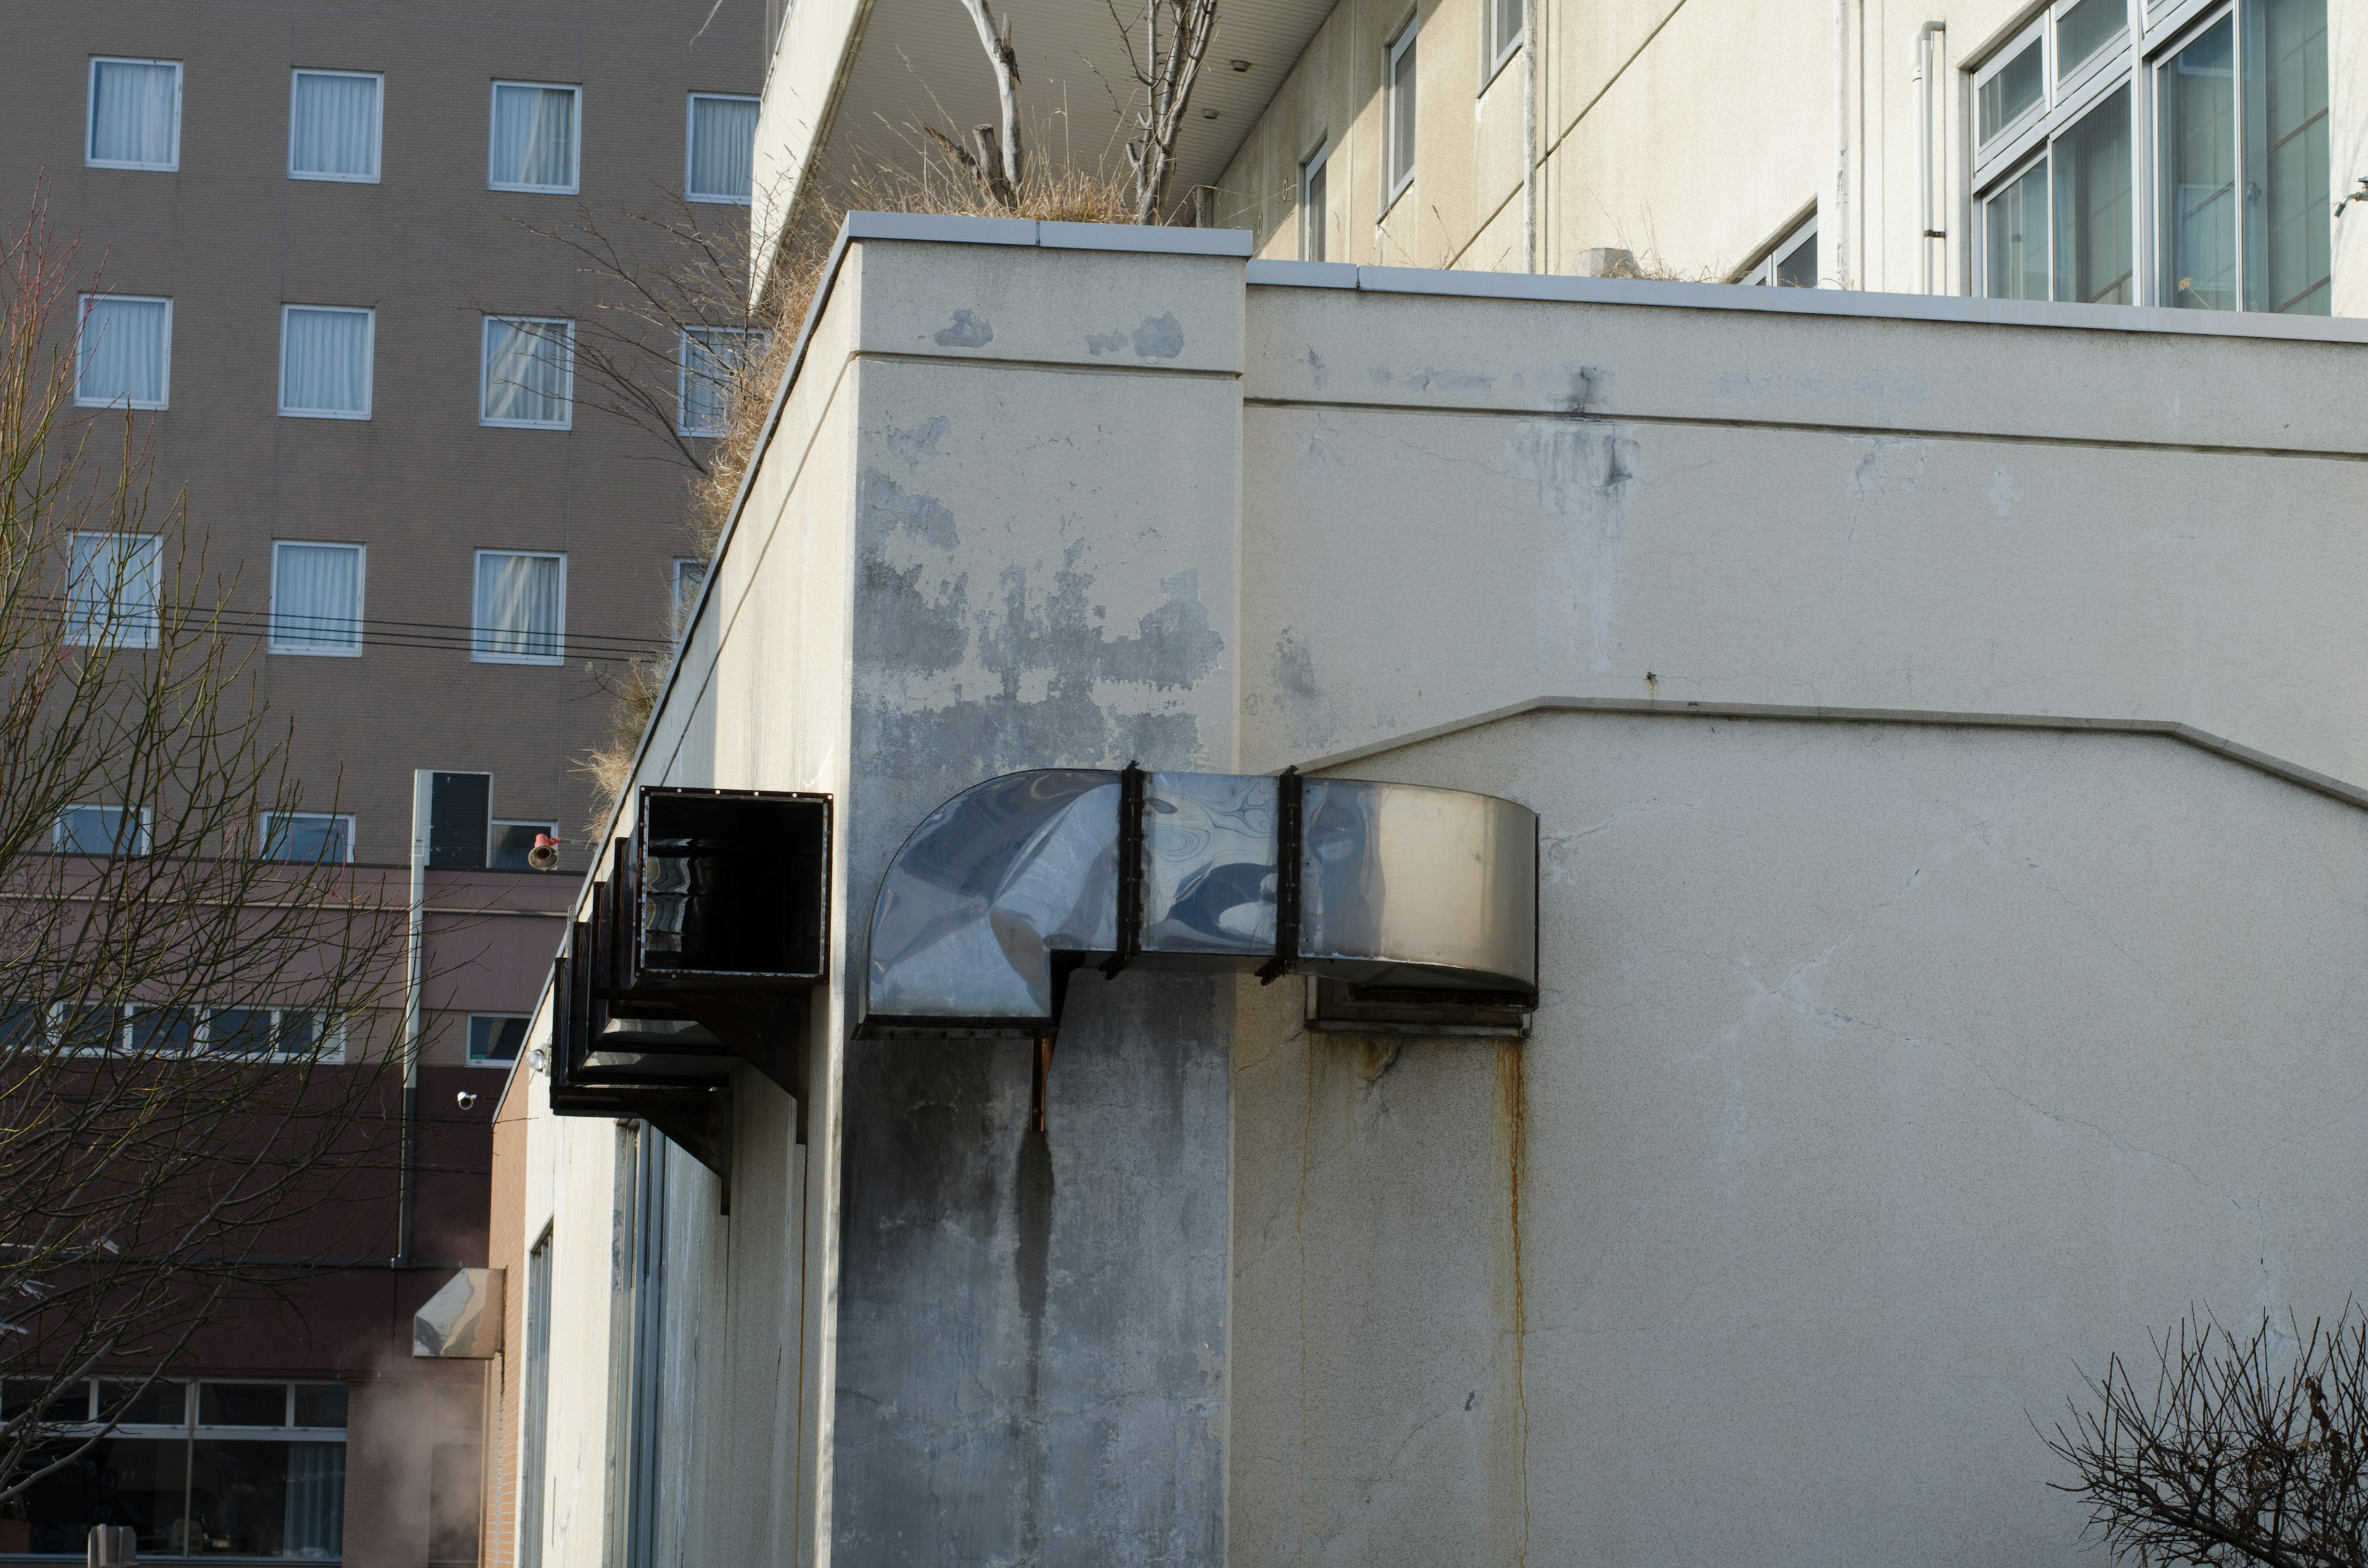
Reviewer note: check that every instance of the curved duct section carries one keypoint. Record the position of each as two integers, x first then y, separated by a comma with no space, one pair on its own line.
1417,904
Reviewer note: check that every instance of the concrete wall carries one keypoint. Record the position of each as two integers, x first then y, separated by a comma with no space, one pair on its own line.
1953,850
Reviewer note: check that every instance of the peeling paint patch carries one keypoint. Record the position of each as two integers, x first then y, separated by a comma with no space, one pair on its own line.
968,330
1587,477
888,506
1100,343
909,446
1587,385
1892,463
1430,380
1159,337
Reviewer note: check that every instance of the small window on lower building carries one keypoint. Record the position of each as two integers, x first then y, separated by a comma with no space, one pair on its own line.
311,837
495,1038
514,841
277,1033
1790,263
101,830
709,375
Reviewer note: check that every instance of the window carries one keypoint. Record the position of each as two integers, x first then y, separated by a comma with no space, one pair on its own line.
536,1418
124,352
2246,93
314,839
1398,166
316,598
530,373
101,830
271,1033
113,582
495,1038
2053,164
533,141
709,371
1790,263
521,609
333,126
690,578
1504,36
213,1469
324,361
722,148
1314,209
514,841
135,115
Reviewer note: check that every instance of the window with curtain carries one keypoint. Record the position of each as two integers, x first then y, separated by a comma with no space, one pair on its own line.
101,830
135,115
310,837
529,373
722,148
124,352
709,369
1398,73
334,118
324,361
113,584
533,137
521,609
316,598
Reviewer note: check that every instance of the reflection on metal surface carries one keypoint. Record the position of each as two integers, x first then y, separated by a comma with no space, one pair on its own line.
987,891
463,1318
1407,903
1406,887
1209,878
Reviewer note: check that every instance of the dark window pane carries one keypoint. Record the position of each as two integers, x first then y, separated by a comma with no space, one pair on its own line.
513,840
239,1031
89,1027
320,1405
118,1481
2086,28
2015,88
496,1039
71,1403
297,1031
164,1032
242,1404
2288,234
2093,237
162,1404
1797,268
269,1499
2197,94
20,1025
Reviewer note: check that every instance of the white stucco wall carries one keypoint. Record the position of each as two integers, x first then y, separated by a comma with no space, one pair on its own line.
1922,1020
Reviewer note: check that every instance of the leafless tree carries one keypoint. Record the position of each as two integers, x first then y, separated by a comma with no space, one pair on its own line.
2250,1451
998,163
193,1108
1174,37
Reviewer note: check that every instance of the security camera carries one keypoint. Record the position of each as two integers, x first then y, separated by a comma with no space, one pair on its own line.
544,856
468,1101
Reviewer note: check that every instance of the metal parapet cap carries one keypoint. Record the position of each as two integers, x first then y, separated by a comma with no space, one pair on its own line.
1428,896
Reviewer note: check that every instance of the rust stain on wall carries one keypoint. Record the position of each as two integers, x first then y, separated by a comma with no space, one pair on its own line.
1512,1127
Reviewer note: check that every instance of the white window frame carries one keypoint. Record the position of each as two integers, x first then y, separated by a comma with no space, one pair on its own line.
362,592
332,1041
165,377
378,128
497,1064
2032,135
689,147
90,115
55,1019
486,370
147,829
682,375
576,146
1394,180
1311,220
1495,53
369,362
477,623
494,825
271,819
123,632
1763,270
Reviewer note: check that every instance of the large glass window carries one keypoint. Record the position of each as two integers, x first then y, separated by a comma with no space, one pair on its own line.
333,126
324,361
135,115
2054,161
2242,122
316,598
1399,132
533,138
521,609
212,1470
722,148
114,582
124,352
530,373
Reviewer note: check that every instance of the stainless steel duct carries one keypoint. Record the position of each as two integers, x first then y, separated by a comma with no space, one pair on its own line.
1419,896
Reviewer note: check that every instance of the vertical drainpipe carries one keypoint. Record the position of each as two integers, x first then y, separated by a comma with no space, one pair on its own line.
1926,62
1840,225
1530,134
423,790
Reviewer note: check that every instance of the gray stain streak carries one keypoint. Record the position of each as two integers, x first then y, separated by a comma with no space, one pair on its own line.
1100,343
1159,337
909,446
970,330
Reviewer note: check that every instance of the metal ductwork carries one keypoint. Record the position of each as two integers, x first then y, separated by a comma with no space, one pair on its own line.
1410,906
463,1318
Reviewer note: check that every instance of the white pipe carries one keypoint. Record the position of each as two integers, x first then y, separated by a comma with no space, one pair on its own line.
423,791
1530,134
1840,226
1926,65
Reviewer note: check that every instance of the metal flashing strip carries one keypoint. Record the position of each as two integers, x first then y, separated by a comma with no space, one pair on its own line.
1843,303
2202,740
1132,238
